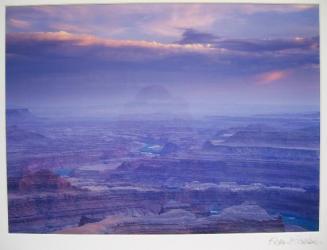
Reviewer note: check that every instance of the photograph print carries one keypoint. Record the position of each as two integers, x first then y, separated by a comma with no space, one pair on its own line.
190,118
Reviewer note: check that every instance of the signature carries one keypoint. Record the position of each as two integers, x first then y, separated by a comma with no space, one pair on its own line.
292,241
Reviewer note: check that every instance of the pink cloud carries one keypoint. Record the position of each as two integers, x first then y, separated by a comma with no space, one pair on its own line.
272,76
180,17
90,40
127,50
19,24
74,45
69,28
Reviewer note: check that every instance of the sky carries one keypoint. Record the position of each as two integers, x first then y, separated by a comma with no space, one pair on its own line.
212,56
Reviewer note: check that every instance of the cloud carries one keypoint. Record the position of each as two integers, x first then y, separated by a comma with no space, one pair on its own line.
191,36
69,28
206,16
17,23
281,8
68,51
89,41
270,77
256,45
162,22
181,16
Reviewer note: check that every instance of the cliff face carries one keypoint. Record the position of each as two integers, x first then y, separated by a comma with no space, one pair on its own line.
148,189
205,209
49,211
18,135
102,177
165,172
263,152
42,180
178,221
261,135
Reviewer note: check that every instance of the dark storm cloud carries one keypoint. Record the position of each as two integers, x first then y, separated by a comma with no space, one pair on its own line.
269,45
191,36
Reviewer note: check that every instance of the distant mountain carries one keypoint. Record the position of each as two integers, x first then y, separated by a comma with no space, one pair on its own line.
19,115
153,92
155,100
17,135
